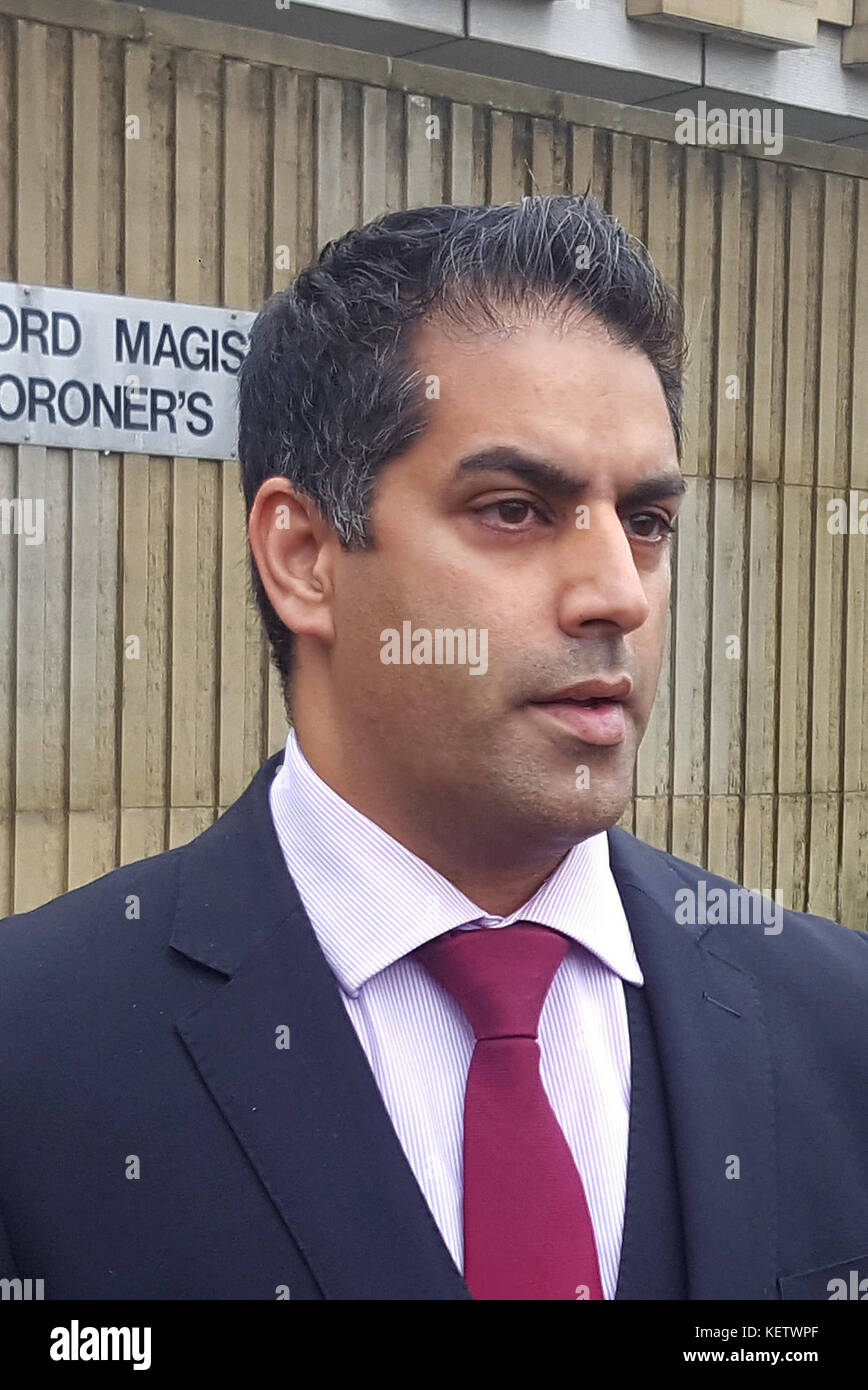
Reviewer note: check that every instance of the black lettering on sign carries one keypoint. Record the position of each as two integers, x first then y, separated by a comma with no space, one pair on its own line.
163,406
40,395
127,350
34,324
201,360
57,334
9,326
112,408
166,347
17,394
66,401
71,347
150,410
236,354
194,407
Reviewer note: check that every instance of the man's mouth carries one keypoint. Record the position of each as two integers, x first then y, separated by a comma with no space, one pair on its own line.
593,711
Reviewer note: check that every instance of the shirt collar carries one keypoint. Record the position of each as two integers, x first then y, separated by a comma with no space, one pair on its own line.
371,901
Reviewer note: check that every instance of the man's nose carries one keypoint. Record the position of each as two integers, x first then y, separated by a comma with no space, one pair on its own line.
601,582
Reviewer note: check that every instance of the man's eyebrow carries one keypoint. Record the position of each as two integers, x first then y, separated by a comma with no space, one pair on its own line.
653,489
503,458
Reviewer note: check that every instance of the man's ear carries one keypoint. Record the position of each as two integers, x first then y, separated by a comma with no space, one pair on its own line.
293,547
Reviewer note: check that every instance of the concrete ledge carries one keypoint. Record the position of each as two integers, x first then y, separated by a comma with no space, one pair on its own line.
769,23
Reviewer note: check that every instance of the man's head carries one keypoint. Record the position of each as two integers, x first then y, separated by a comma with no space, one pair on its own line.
467,421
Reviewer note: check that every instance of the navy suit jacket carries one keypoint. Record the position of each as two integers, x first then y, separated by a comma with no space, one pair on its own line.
156,1143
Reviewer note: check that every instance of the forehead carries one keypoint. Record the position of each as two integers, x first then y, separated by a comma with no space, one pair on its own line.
572,387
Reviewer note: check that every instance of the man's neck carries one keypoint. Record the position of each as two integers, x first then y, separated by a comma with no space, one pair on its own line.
497,871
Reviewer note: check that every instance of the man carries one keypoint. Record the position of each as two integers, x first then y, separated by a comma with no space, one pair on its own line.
414,1019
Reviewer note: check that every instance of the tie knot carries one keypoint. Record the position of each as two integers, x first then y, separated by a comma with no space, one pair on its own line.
499,976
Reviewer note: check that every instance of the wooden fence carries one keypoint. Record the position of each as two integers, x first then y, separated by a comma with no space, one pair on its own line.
755,764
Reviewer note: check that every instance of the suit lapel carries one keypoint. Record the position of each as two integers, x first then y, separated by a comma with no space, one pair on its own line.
309,1117
717,1077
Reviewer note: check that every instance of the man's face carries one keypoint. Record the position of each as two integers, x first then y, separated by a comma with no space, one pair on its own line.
550,548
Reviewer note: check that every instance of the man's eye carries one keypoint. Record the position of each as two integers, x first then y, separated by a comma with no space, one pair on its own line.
513,511
659,525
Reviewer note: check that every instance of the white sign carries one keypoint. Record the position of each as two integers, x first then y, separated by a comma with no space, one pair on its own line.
103,371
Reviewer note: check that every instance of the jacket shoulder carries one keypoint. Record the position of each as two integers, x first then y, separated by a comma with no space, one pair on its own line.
94,917
658,871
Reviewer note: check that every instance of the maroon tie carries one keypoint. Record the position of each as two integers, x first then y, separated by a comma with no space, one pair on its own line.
527,1230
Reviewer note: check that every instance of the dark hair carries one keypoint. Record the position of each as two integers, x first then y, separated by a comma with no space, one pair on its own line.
328,391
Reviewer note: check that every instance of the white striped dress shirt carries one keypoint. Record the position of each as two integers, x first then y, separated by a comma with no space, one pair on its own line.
371,902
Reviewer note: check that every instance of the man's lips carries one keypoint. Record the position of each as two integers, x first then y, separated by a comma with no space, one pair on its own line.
592,710
618,688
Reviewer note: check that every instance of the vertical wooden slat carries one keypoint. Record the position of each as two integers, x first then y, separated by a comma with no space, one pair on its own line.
42,675
426,151
853,900
8,684
859,375
338,175
758,848
288,139
291,239
623,201
653,766
791,851
145,483
794,639
725,835
690,828
582,159
802,278
692,655
759,641
508,165
831,456
665,209
651,820
192,782
727,663
732,383
855,731
32,141
40,852
243,664
728,639
8,487
853,896
94,661
373,152
826,664
700,253
8,151
542,157
822,895
768,307
93,636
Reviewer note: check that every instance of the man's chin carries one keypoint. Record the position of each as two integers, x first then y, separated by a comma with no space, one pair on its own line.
567,822
599,819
